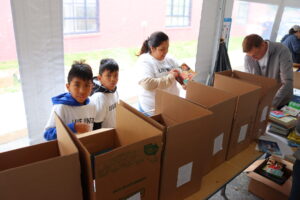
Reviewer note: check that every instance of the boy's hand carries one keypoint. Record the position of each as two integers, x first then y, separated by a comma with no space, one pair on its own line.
82,127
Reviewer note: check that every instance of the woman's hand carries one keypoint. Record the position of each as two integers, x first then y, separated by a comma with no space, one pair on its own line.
174,72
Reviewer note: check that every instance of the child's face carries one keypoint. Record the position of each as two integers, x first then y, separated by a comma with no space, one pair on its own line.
79,89
109,79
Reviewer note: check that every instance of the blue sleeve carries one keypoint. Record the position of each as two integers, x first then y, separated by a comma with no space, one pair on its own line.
50,134
296,45
72,127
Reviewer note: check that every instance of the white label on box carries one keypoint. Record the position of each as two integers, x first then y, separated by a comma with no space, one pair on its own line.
264,114
136,196
218,144
94,183
184,174
243,133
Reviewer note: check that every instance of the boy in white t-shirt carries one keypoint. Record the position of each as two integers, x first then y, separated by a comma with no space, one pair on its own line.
74,107
105,95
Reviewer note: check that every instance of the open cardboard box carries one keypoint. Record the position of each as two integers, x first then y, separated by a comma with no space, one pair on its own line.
269,88
187,138
266,188
45,171
245,112
121,163
297,80
222,104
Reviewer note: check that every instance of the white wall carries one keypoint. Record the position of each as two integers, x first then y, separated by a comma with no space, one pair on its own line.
39,40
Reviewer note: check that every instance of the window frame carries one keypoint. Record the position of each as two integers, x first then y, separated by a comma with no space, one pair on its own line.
85,18
171,15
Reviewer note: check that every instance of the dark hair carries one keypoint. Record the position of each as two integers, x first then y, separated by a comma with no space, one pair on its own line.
251,41
154,40
80,70
108,64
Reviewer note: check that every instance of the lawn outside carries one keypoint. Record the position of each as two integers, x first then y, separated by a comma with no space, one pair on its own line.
126,58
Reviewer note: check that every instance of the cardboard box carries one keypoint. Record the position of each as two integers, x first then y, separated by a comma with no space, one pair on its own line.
297,80
45,171
222,104
245,112
265,188
187,137
121,163
269,88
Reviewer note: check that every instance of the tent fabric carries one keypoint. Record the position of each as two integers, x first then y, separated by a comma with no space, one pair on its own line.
39,40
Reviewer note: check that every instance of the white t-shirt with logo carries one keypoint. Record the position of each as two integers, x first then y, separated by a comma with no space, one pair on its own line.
149,67
71,114
106,105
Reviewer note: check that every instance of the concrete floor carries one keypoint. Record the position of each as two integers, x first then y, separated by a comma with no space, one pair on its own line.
237,189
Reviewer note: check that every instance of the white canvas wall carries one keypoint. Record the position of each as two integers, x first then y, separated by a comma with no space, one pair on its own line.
39,39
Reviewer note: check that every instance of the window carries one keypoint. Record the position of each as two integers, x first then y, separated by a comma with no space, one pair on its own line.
242,12
80,16
178,13
290,17
248,18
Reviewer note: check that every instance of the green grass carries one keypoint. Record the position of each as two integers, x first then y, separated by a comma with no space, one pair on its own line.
235,43
15,87
9,65
126,58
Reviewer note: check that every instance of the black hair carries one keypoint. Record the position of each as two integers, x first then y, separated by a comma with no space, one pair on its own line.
154,40
80,70
108,64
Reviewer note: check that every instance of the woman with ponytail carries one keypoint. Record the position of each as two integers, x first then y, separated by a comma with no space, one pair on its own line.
156,69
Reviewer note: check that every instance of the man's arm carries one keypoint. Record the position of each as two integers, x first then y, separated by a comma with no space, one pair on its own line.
286,77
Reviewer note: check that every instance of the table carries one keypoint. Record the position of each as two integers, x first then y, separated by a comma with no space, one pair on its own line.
224,173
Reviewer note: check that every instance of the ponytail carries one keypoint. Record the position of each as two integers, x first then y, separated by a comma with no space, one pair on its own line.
145,48
154,40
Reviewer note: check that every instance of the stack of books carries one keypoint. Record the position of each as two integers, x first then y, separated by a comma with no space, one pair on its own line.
294,136
281,123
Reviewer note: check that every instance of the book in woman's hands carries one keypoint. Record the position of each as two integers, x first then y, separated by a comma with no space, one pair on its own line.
185,75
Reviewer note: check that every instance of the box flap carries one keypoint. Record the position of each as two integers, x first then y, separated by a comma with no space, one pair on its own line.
234,86
100,140
177,109
131,128
206,96
141,115
85,160
65,143
19,157
297,80
93,132
267,84
57,178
